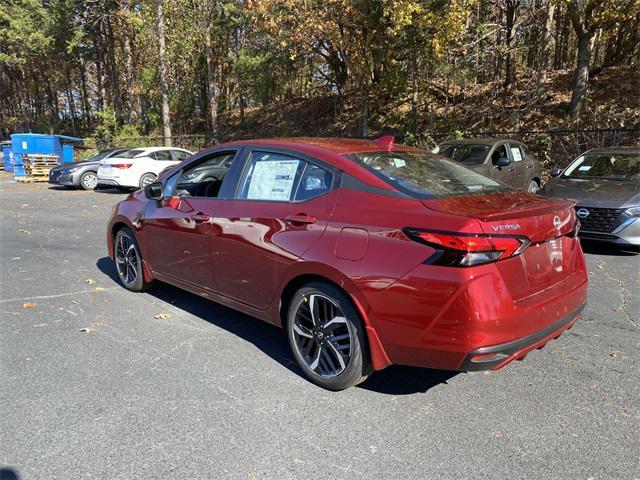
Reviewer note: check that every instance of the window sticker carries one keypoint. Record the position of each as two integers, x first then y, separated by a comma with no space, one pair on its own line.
517,154
272,180
584,168
398,162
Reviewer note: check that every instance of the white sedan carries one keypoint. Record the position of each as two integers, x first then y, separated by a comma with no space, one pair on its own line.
139,167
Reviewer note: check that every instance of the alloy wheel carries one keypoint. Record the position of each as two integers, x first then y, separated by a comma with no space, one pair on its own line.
89,181
322,335
127,259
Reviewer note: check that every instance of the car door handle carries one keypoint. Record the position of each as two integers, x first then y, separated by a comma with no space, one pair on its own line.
200,217
300,218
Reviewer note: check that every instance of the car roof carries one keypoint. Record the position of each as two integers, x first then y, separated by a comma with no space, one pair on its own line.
155,149
480,141
331,150
341,146
635,149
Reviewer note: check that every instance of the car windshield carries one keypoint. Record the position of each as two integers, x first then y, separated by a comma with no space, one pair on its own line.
427,175
130,154
466,153
613,166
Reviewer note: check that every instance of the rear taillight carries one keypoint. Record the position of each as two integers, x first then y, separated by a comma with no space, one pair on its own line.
467,249
121,165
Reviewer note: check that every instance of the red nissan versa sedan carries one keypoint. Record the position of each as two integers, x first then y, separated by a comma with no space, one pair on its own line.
368,254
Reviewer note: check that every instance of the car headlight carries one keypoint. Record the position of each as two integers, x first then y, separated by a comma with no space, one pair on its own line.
633,211
190,176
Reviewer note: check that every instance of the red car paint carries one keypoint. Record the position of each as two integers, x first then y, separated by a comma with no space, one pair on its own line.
250,255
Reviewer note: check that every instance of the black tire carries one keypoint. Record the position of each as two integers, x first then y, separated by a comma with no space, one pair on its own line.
533,187
147,179
323,349
88,180
129,265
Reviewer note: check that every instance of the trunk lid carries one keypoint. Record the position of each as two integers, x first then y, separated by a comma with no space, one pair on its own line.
554,255
512,213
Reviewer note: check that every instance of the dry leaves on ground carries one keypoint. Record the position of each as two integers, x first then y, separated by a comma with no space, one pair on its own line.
28,305
162,316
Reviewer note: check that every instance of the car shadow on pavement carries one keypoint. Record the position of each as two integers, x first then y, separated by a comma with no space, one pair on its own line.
602,248
394,380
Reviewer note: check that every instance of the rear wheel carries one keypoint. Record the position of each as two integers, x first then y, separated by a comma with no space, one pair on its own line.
147,179
89,180
327,337
533,187
129,261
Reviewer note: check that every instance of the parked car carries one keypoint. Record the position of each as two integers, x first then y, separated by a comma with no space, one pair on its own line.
82,174
367,254
139,167
605,183
507,161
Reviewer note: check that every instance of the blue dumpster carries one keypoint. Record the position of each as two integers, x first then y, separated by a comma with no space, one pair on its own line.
7,157
37,143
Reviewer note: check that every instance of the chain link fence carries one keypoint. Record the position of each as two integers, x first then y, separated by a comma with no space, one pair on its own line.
551,147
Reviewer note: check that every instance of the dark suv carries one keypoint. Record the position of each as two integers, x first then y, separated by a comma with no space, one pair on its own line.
507,161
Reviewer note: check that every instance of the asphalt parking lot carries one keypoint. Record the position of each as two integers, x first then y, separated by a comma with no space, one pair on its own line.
98,382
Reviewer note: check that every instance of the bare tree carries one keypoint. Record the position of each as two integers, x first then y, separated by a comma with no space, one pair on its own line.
164,86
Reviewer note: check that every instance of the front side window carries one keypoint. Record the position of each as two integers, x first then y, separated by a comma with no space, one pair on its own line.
180,155
427,175
614,166
467,154
203,179
499,153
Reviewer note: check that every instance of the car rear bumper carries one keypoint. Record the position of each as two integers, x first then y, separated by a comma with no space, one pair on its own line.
107,182
441,317
497,356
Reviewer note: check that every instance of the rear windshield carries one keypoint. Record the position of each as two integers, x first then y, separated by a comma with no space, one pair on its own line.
130,154
427,175
613,166
466,153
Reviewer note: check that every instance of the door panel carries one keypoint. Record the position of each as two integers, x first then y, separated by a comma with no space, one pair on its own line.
523,166
178,238
254,242
503,174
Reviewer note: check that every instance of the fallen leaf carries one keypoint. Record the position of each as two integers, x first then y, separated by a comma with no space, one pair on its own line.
86,330
97,289
615,353
90,281
15,258
75,301
28,305
22,230
162,316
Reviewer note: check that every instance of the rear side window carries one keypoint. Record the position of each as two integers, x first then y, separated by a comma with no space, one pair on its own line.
516,153
278,177
130,153
427,175
163,155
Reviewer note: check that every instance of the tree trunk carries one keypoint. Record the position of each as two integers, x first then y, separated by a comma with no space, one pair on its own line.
545,54
365,115
213,91
581,74
510,61
164,86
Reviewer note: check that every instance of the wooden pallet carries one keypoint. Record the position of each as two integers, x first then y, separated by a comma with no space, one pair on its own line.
37,167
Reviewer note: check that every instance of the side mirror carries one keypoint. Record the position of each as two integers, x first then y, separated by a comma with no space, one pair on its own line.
153,191
555,172
501,161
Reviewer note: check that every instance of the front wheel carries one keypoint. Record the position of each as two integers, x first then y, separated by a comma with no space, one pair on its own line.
147,179
89,180
327,336
129,261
